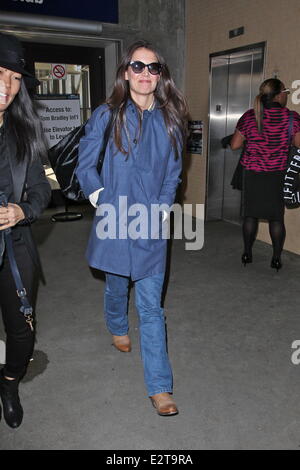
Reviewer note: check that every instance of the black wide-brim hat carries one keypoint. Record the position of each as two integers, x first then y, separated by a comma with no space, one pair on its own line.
12,58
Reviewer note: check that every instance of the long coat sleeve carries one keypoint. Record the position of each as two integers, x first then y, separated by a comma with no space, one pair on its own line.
147,176
32,193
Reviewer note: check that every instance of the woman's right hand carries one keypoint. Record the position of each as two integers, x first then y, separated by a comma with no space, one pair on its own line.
10,215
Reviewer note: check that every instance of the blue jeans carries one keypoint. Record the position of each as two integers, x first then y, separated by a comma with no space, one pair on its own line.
157,368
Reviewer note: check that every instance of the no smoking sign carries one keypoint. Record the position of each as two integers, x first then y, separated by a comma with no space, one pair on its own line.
58,71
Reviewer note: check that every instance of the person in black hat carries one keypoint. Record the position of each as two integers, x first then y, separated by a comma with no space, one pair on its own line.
24,193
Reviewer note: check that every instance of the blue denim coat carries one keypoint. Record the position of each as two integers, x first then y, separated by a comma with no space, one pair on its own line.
148,175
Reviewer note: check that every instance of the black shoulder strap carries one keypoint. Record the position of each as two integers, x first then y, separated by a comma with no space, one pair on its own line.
107,133
26,309
6,242
291,118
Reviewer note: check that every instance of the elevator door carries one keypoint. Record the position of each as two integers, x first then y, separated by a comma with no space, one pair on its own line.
234,83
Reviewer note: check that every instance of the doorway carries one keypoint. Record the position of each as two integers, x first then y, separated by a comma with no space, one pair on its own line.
83,78
90,59
235,77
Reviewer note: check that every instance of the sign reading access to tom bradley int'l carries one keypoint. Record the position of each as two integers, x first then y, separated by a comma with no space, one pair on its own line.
59,115
93,10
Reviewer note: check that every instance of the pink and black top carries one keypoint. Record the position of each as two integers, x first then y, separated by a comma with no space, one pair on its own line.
268,150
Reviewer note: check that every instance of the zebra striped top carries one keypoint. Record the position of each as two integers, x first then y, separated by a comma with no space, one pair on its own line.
268,150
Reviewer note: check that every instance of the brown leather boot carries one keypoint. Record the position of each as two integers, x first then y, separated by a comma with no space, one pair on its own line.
164,404
122,343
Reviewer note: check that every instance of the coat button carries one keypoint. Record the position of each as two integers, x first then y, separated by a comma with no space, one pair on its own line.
134,141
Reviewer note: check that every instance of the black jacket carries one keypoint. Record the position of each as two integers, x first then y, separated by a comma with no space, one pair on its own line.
32,193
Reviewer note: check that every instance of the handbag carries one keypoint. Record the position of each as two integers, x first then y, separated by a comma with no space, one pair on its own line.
291,184
237,178
63,158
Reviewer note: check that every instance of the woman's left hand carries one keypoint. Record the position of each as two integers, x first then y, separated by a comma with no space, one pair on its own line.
10,215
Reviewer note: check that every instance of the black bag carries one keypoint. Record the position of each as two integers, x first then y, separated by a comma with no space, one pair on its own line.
239,173
237,179
291,185
63,158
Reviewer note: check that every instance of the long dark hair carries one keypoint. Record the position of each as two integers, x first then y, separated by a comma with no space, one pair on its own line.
170,99
23,122
267,92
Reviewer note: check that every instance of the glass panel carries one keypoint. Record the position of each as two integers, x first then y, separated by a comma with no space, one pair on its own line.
77,81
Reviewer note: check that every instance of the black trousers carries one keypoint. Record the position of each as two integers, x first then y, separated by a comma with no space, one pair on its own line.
19,337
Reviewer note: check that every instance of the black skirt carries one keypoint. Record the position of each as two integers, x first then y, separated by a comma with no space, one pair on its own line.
262,195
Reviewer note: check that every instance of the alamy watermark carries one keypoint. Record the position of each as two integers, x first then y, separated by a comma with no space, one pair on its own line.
295,358
138,221
295,95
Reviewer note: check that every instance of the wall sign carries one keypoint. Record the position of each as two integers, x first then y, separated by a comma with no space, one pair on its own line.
233,33
58,71
59,115
93,10
194,141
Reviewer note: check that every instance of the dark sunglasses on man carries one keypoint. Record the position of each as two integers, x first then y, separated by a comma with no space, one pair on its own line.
137,67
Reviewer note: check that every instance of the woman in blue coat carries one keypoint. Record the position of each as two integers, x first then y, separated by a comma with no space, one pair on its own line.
141,171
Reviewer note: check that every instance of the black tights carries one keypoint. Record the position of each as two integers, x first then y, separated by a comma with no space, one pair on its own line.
276,230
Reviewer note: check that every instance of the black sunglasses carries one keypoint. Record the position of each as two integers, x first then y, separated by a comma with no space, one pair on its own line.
138,66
